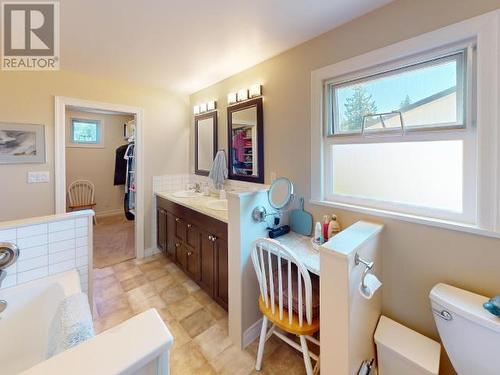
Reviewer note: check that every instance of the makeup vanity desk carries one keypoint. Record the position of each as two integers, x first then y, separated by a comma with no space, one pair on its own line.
302,247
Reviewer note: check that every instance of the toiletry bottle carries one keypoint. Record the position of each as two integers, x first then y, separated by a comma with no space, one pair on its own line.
326,221
333,227
317,233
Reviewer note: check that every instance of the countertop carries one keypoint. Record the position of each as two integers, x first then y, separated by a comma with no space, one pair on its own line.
302,248
197,204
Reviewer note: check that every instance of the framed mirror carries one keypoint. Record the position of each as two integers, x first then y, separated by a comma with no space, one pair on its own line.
245,122
205,142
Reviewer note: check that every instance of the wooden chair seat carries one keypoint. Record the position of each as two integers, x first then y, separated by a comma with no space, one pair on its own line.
284,324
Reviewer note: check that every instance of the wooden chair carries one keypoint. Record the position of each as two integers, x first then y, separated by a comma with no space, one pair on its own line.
285,299
81,196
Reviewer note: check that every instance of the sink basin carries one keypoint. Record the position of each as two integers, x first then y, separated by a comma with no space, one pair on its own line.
186,194
218,205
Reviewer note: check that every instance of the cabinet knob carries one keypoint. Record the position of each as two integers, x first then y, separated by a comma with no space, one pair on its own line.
177,219
210,237
189,225
177,244
190,253
214,238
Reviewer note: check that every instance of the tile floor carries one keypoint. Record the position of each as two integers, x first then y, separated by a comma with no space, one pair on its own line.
198,324
113,240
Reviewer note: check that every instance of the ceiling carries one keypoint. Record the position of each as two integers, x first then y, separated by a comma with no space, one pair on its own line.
187,45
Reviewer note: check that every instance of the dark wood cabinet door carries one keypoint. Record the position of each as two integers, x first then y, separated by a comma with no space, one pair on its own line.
207,259
180,229
221,271
180,255
161,229
193,267
192,236
170,237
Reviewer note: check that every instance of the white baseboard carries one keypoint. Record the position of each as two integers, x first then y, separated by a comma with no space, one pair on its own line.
252,333
109,213
151,251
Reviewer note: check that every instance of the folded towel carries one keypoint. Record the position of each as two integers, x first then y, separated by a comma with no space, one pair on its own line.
218,172
71,325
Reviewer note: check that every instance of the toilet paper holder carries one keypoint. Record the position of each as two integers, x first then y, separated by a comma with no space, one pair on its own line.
368,267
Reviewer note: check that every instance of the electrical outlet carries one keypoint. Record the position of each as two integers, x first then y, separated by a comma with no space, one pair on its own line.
38,177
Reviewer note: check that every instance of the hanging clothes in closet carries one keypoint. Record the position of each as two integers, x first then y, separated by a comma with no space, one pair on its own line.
130,182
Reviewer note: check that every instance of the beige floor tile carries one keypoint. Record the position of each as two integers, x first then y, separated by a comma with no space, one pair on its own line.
202,297
165,315
174,294
184,308
213,341
156,273
111,305
154,302
181,337
206,369
124,266
164,282
127,274
186,359
285,360
99,273
141,293
197,322
115,318
108,292
133,282
216,311
105,281
272,344
191,286
233,361
146,267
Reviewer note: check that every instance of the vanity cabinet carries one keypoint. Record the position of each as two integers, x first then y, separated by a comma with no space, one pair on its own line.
197,243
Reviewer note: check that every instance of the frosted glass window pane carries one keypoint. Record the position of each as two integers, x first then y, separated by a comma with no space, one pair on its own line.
85,132
425,174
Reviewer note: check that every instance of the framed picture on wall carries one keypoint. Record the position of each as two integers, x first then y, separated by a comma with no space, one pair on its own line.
22,143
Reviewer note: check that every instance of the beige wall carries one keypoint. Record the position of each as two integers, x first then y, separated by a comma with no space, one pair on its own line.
28,97
415,257
97,164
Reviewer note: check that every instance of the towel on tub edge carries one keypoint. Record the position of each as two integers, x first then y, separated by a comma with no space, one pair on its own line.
72,324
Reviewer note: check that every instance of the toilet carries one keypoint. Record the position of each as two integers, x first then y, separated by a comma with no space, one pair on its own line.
401,350
470,334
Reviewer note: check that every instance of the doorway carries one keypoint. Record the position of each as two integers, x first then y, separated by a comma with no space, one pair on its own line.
109,218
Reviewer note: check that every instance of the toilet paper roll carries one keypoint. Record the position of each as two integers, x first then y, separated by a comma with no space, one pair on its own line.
372,283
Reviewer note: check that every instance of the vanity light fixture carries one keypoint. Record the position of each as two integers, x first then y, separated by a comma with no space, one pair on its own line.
231,98
196,109
211,105
255,90
242,95
203,107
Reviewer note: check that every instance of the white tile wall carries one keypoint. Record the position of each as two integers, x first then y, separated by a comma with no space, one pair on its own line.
49,248
175,182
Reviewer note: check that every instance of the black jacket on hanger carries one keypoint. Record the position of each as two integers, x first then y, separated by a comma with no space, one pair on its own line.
120,166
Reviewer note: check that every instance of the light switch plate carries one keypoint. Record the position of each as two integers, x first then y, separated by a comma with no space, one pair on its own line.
38,177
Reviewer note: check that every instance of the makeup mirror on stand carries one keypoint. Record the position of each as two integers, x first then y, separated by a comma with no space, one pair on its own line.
280,194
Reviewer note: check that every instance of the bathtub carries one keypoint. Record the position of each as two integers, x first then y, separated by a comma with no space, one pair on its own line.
139,345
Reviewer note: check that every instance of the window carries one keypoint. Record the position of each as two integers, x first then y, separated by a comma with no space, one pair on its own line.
424,95
400,137
86,133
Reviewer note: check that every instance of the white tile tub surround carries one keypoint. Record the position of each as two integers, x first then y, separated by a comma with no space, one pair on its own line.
49,245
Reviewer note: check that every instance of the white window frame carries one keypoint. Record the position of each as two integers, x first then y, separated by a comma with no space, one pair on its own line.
481,208
100,134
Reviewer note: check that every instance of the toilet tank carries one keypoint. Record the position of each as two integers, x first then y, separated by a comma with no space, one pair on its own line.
401,350
470,334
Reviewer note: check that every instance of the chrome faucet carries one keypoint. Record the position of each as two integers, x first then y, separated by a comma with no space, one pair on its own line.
9,253
197,187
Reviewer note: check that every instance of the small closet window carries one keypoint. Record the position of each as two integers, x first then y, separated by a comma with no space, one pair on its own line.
86,133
